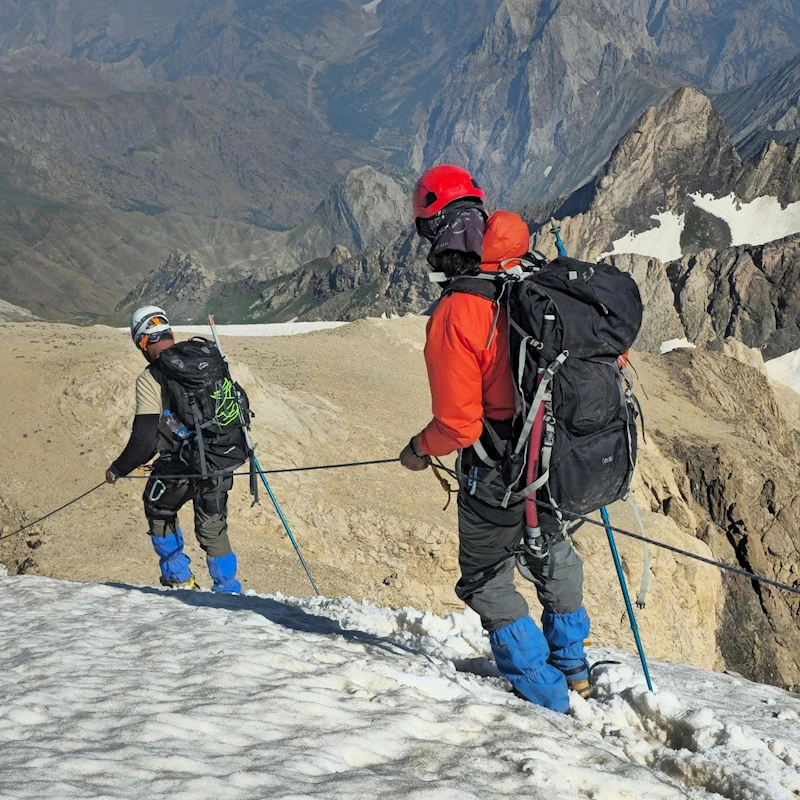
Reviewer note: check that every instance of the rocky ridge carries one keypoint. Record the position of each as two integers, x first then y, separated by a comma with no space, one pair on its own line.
12,313
365,210
768,108
554,86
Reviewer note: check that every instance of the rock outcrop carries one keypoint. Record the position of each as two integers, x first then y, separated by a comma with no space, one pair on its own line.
723,465
12,313
768,108
552,87
179,284
674,150
750,293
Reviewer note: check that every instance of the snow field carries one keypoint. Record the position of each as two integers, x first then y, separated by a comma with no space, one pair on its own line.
263,329
758,222
785,370
663,242
135,692
675,344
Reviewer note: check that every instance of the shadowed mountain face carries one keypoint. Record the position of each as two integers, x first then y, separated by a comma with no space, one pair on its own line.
769,108
540,102
251,110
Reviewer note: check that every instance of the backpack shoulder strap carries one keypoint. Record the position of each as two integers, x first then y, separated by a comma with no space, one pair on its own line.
488,287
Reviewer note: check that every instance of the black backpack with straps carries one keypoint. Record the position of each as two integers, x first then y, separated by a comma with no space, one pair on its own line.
568,323
197,389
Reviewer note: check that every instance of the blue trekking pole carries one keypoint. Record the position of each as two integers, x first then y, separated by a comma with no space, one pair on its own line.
631,616
264,477
555,229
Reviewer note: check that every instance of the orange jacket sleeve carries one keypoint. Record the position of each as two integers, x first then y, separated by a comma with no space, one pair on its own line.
454,374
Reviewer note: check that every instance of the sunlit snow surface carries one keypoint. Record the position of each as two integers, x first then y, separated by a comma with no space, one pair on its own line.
134,692
264,329
785,370
675,344
758,222
663,242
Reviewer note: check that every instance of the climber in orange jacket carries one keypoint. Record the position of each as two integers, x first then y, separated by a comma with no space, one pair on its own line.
471,382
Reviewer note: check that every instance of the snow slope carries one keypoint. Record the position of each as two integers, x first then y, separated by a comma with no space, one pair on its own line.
785,369
134,692
262,329
758,222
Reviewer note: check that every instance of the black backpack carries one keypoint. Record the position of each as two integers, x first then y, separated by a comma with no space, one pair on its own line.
197,389
568,324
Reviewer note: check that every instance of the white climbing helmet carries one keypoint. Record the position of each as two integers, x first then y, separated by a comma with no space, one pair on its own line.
146,321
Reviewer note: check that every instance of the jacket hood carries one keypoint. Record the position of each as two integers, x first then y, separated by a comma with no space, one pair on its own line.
506,236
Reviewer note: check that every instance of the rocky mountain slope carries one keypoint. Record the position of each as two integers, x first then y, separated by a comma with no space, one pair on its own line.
250,111
12,313
233,109
768,108
678,165
718,476
66,261
552,87
364,211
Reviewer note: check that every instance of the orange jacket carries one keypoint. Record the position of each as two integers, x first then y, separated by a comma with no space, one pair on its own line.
468,380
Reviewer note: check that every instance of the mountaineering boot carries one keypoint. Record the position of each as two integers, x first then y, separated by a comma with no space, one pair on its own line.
173,561
521,652
190,584
565,635
223,572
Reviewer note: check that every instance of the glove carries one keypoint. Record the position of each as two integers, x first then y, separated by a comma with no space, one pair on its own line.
111,476
413,458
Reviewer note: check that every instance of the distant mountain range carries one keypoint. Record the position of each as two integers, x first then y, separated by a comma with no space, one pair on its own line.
130,128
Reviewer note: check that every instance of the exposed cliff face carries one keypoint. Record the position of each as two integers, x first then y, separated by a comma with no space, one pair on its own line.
177,284
768,108
553,86
734,459
750,293
673,150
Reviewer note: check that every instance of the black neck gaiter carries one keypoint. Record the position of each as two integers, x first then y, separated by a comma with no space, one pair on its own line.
456,235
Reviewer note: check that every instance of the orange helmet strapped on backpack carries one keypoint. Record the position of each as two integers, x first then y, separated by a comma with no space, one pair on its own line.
440,186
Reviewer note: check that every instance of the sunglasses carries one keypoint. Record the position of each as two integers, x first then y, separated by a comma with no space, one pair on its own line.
154,338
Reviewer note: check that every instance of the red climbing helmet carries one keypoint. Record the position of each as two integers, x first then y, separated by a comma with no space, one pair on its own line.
440,186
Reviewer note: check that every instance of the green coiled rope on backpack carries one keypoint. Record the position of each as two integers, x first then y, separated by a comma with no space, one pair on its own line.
227,404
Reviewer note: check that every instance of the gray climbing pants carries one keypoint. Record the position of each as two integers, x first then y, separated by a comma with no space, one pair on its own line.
488,538
164,497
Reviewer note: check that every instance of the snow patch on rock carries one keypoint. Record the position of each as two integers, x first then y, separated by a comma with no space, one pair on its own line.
786,370
758,222
663,242
675,344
